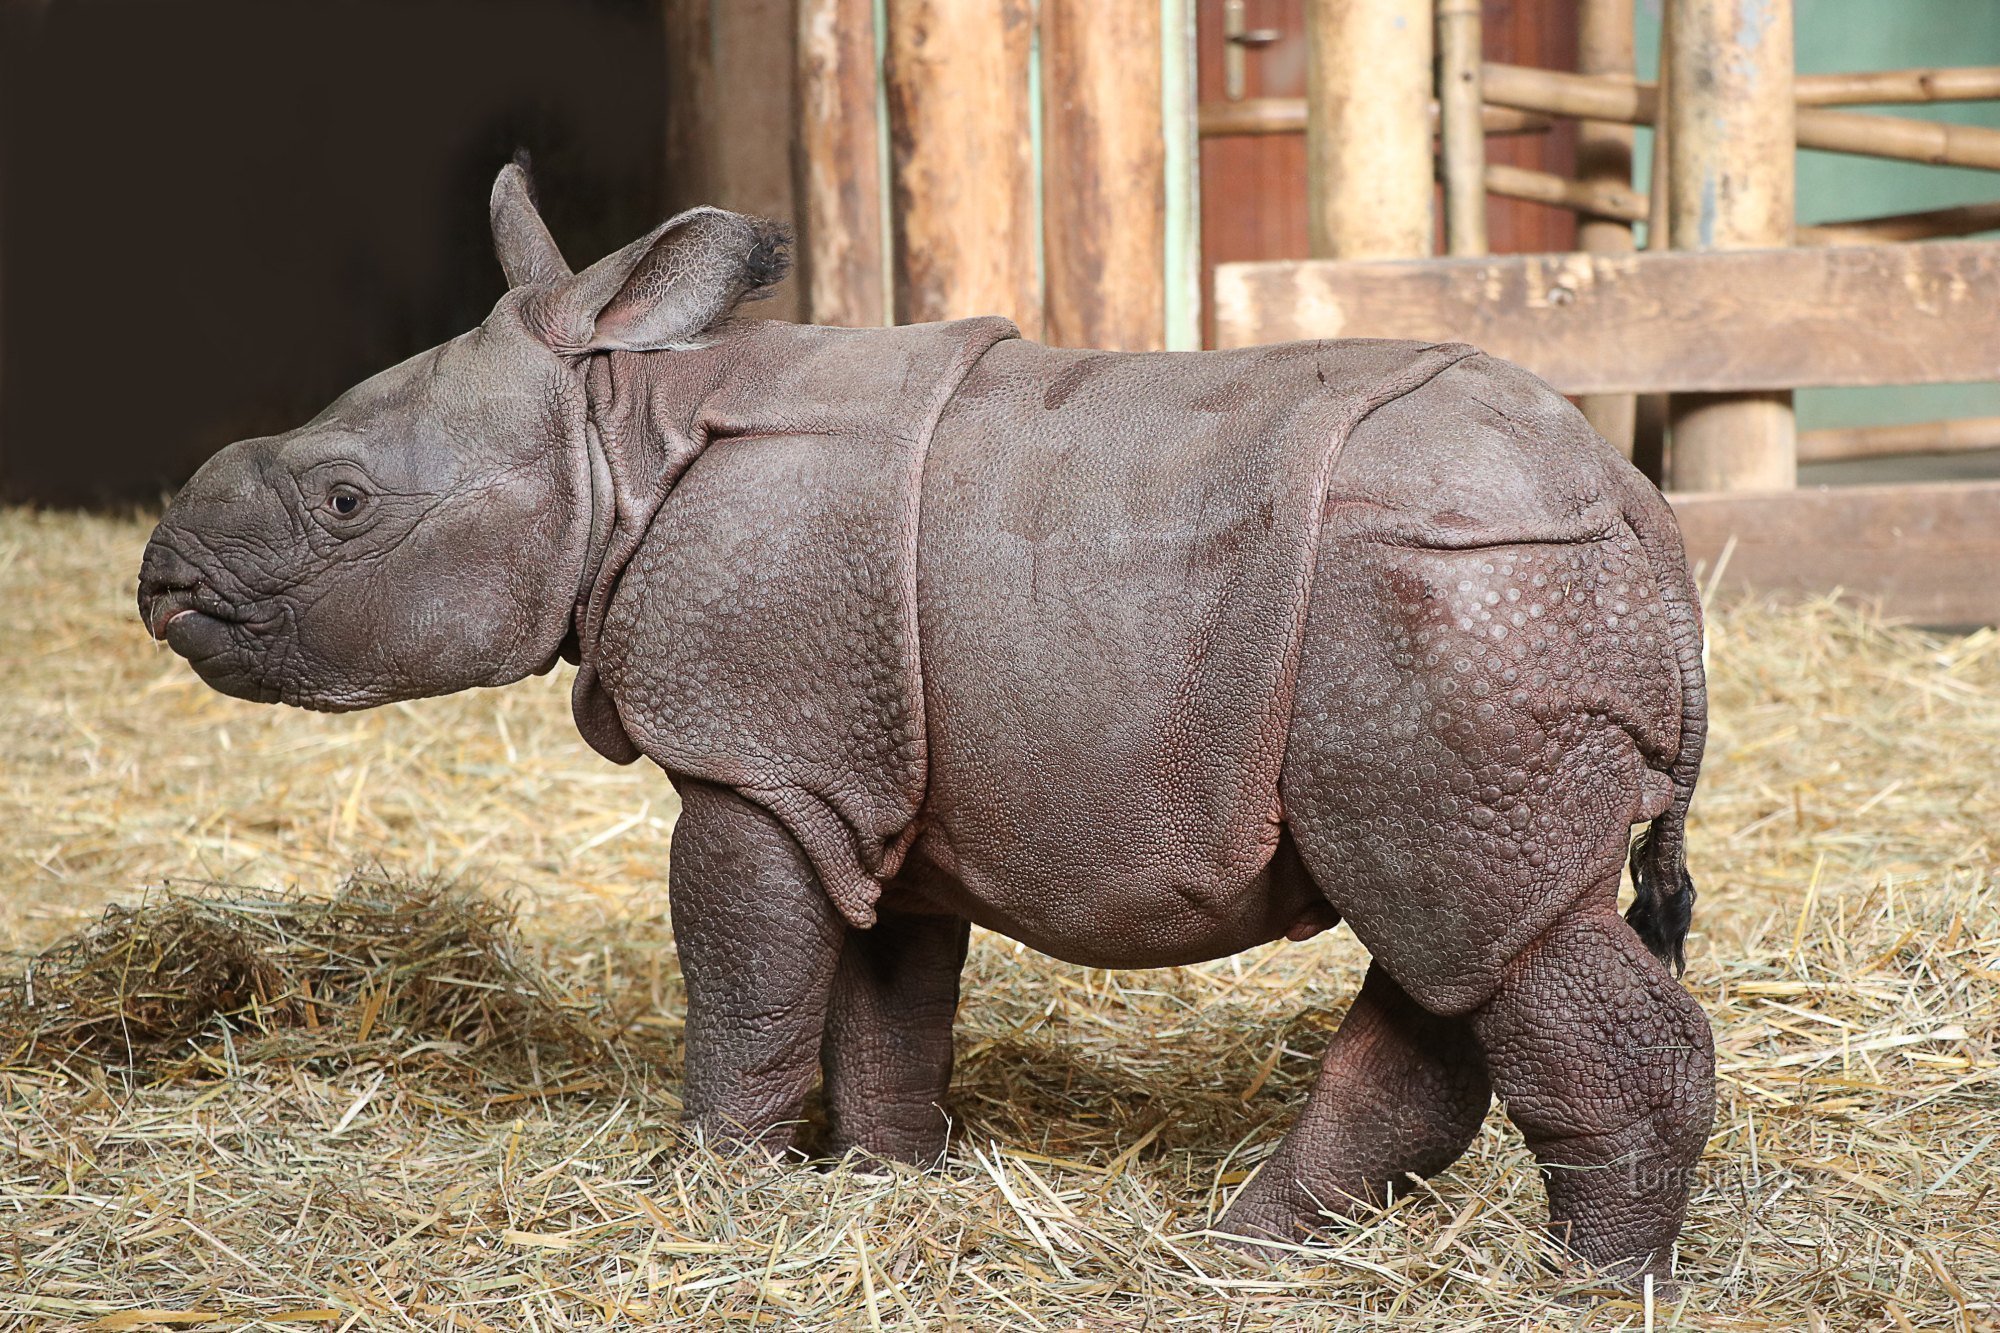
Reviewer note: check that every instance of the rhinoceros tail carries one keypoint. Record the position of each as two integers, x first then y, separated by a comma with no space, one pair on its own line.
1663,891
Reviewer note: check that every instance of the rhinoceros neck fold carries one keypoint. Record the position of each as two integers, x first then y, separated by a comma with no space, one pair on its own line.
867,396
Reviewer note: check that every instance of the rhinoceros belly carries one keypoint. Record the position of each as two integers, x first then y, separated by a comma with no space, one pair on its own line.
1115,556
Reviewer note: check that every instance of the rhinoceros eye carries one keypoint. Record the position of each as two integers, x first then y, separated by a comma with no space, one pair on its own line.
344,501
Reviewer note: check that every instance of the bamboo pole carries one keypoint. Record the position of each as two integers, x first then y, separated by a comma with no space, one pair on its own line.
962,161
1730,187
1368,149
1627,206
1552,92
838,164
1625,101
1287,115
1883,86
1462,155
1612,96
1103,174
1899,137
1595,200
1964,220
1604,169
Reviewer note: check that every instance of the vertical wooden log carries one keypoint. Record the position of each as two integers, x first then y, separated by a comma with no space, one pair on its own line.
1180,123
732,151
1730,137
1462,131
1103,174
1649,423
691,174
1604,157
838,169
962,161
1368,140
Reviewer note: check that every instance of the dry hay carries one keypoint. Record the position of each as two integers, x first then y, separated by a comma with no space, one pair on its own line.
423,976
1847,947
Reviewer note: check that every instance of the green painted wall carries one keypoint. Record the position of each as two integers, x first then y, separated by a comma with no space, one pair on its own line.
1840,35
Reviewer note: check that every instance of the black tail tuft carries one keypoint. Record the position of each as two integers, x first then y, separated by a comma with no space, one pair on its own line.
1663,897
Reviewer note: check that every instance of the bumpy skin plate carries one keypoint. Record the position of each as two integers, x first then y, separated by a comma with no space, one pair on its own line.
759,624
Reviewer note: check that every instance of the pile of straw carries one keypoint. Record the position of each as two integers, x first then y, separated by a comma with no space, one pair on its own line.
198,983
234,1168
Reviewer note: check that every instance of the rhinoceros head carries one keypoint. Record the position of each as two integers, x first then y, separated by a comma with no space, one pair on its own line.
428,532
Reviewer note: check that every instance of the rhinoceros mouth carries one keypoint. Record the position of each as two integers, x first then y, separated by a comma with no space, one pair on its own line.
168,605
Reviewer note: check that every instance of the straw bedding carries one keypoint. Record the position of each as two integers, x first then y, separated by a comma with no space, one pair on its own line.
443,1095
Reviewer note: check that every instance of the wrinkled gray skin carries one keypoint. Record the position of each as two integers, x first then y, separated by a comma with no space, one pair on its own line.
1141,659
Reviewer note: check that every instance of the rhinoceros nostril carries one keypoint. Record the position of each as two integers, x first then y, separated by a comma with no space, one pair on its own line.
169,585
159,607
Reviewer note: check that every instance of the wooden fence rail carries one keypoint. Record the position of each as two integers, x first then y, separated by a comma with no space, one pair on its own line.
1661,321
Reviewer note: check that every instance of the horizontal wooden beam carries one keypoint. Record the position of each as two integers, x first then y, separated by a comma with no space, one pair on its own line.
1841,443
1287,115
1925,552
1627,102
1659,322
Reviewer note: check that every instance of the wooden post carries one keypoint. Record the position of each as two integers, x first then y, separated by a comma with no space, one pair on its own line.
962,160
1368,150
732,152
1649,410
1730,137
1103,174
1604,162
1462,130
839,172
1180,119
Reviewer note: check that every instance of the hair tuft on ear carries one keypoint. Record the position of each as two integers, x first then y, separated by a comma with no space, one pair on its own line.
527,166
669,287
768,260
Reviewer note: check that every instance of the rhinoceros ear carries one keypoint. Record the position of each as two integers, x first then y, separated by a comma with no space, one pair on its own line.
528,254
663,290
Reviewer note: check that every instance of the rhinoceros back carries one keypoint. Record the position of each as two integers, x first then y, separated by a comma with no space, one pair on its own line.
1116,555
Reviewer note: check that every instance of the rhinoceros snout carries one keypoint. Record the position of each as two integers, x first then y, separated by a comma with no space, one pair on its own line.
167,583
171,587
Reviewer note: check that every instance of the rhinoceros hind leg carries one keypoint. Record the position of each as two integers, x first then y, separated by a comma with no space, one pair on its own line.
1607,1067
759,941
887,1050
1400,1092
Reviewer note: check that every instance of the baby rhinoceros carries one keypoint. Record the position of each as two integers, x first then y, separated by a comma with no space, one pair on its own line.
1141,659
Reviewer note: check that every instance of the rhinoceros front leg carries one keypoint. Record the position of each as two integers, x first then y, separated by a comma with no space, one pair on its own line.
1400,1092
887,1053
759,942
